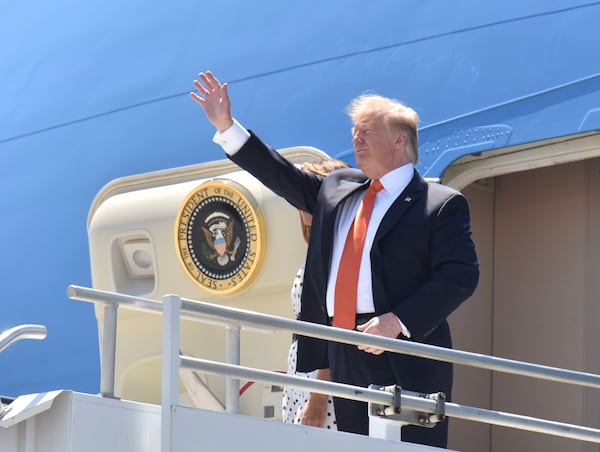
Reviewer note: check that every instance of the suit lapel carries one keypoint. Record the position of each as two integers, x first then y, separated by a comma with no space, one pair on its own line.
343,190
409,196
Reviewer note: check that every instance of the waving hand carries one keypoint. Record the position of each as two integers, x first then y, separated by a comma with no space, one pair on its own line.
212,96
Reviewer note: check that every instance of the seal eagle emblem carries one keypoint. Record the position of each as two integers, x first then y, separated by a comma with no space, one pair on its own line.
220,237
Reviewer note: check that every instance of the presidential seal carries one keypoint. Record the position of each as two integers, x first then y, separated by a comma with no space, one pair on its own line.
220,237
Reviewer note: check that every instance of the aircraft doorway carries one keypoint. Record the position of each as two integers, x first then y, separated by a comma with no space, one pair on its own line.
537,237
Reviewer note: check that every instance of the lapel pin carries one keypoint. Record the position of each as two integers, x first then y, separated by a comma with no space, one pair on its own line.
408,199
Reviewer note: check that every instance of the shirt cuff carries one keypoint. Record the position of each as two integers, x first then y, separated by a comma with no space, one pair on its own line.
405,331
232,139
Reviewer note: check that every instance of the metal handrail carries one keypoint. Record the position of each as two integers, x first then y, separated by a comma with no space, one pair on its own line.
198,310
409,402
17,333
173,308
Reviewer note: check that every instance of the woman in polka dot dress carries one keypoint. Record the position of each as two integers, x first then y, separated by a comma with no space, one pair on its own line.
299,406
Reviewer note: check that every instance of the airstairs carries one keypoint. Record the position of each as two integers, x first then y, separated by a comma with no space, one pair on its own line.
69,421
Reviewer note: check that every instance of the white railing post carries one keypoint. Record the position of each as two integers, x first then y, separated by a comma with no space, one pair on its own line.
170,367
108,350
232,385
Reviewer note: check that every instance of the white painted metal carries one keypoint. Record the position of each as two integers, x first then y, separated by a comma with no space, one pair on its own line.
12,335
253,319
170,367
232,354
90,423
108,350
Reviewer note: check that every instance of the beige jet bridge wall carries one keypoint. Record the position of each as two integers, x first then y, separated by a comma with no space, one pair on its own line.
538,238
133,250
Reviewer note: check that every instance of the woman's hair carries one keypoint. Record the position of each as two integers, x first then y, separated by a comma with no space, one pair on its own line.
322,168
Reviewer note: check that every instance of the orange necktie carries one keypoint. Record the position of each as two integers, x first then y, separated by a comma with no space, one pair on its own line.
346,286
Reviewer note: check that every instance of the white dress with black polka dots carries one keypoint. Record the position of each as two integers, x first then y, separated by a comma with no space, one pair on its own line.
295,399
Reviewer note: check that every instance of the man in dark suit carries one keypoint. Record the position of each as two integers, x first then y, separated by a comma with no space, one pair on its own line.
418,265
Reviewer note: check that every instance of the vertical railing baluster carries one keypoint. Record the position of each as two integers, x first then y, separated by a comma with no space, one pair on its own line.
108,350
170,367
232,385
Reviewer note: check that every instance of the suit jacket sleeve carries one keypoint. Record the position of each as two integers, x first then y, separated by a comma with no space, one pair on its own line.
298,187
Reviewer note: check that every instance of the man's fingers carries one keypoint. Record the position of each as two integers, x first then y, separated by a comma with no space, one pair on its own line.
201,88
210,81
213,80
196,98
206,86
206,80
210,87
372,350
370,327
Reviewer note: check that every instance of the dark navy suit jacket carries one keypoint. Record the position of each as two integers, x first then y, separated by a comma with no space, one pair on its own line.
423,261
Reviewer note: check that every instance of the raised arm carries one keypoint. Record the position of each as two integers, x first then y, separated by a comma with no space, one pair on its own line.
213,97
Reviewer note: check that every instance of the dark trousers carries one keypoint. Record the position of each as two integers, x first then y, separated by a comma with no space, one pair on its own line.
352,366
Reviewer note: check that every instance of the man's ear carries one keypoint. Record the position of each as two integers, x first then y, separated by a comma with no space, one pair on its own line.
401,139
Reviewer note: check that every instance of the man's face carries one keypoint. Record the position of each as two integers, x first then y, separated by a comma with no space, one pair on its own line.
377,149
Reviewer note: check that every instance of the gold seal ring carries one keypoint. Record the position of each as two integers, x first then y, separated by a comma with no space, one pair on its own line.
220,237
